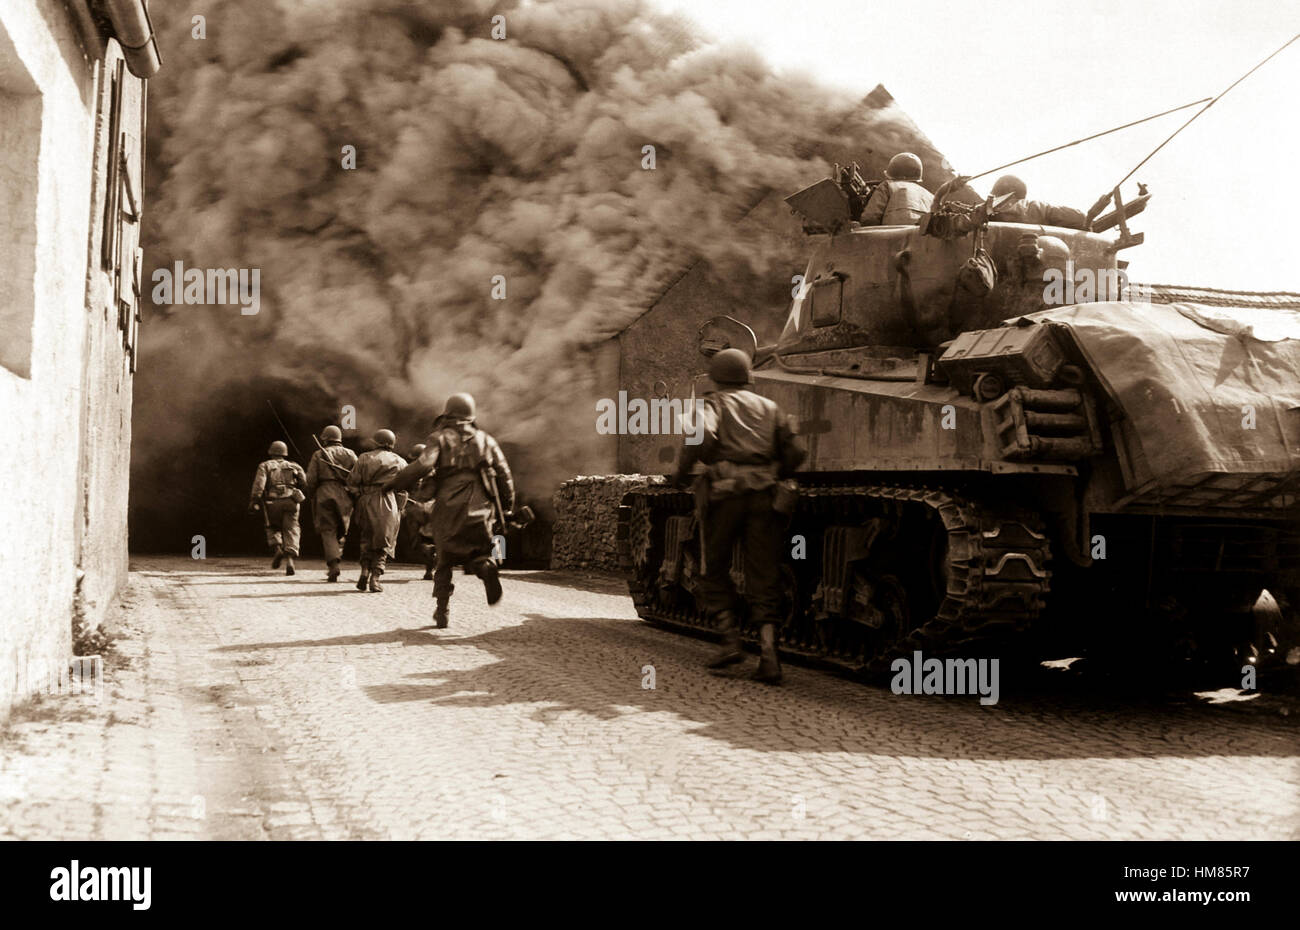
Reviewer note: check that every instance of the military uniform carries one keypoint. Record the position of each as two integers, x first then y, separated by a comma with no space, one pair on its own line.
1038,213
467,465
419,512
896,203
276,491
327,477
747,448
1020,209
899,200
378,511
417,518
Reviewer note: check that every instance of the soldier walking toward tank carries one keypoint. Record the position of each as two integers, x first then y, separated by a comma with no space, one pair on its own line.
378,510
327,477
277,493
471,481
747,449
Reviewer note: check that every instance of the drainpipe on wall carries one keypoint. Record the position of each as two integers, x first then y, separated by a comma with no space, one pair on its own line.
134,32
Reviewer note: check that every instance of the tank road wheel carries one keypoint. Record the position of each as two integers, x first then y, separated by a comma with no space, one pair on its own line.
898,569
889,570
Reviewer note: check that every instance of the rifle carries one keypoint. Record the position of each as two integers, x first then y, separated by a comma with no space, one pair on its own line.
517,519
329,461
284,428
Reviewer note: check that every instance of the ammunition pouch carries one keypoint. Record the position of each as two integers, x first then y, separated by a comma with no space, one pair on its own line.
728,479
785,496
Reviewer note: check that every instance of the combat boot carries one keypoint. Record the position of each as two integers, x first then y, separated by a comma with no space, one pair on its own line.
279,557
491,583
288,565
730,653
375,586
440,613
362,581
333,570
428,573
769,664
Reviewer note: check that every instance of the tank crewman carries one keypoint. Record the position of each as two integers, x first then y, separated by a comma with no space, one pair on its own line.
747,448
419,515
899,200
1034,212
379,511
327,477
471,480
277,493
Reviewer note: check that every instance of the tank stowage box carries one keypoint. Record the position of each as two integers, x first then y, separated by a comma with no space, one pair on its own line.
1025,355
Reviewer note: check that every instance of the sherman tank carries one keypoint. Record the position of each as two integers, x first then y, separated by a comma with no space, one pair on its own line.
1008,448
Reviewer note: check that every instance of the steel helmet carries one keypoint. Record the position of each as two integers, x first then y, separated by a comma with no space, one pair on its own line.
385,438
730,366
904,167
278,448
331,434
1010,184
417,450
460,407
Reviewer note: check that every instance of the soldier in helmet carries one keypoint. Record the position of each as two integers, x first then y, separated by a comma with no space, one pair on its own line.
277,493
379,511
899,200
327,478
419,516
470,480
1020,210
747,448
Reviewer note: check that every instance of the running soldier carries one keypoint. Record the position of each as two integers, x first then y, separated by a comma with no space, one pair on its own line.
418,515
379,511
277,493
748,447
327,477
472,487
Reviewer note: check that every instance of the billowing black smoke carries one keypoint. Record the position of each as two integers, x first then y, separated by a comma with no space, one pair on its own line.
476,157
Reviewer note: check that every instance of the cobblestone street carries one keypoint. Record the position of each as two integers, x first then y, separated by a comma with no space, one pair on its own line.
243,704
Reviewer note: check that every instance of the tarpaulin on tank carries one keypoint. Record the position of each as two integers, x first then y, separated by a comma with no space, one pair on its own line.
1193,379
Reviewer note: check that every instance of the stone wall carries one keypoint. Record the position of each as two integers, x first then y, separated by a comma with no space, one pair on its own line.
586,520
65,380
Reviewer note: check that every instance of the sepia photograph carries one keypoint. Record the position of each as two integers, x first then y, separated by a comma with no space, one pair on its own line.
650,421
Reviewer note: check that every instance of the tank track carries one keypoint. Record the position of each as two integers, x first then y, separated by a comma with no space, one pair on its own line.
994,566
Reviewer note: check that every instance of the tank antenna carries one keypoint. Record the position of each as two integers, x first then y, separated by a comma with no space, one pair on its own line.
1095,135
1204,108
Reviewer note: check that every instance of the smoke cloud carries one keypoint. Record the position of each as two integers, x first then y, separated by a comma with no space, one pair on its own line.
475,157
